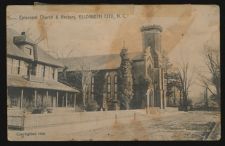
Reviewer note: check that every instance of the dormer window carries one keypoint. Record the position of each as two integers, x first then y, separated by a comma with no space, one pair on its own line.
28,50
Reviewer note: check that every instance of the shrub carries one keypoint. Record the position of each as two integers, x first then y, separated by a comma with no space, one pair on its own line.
92,105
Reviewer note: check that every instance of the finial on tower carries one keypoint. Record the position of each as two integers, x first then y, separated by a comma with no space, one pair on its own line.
124,51
123,43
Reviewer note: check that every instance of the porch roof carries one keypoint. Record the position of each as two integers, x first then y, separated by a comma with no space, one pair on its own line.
17,81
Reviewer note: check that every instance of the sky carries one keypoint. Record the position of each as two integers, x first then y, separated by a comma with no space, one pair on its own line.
186,29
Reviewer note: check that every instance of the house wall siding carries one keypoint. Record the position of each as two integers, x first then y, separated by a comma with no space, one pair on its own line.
16,66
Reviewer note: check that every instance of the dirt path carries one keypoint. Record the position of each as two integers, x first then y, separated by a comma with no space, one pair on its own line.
138,126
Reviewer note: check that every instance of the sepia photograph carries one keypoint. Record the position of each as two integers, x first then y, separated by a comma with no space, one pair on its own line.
113,72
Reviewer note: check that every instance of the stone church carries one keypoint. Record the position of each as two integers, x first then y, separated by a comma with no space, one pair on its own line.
141,71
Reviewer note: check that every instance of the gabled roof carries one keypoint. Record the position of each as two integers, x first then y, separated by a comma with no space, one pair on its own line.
12,49
42,56
97,62
48,59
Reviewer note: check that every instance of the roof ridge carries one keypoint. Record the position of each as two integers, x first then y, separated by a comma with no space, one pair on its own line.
97,55
88,56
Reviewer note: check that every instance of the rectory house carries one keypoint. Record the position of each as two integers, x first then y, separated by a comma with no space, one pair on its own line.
121,81
32,76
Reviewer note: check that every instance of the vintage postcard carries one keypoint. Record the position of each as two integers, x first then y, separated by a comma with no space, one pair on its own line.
113,72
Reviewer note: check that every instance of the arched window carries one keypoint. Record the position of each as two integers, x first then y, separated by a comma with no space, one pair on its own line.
108,85
115,86
149,70
115,79
92,87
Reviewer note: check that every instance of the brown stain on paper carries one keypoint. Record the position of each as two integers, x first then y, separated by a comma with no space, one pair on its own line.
42,28
170,37
102,8
174,34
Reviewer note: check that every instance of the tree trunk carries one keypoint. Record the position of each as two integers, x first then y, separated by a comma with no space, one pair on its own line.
218,92
84,98
184,106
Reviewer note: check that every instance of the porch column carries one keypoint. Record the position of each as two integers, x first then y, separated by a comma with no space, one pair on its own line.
74,102
21,99
161,100
57,99
47,96
165,99
163,89
153,95
66,99
35,98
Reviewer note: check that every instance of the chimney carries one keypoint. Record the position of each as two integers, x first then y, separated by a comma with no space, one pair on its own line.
35,52
19,39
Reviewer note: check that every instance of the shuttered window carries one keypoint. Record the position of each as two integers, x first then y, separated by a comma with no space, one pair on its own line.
92,87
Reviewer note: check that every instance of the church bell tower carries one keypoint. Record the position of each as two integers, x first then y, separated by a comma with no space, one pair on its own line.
151,39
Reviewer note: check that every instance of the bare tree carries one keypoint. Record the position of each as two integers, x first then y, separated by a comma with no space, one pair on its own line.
170,77
173,85
82,78
86,76
185,79
211,79
167,65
